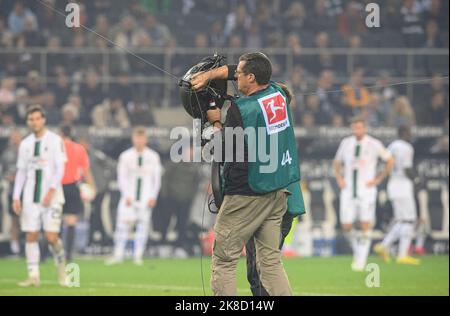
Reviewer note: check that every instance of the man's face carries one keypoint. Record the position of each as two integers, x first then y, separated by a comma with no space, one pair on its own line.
359,129
36,122
243,80
139,141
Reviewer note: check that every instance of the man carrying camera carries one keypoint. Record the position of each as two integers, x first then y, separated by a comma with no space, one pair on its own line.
255,192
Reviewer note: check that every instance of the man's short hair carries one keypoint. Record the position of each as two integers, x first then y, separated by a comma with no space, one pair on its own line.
35,108
140,130
259,65
358,119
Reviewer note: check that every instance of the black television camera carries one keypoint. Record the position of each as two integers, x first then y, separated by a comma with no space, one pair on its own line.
197,103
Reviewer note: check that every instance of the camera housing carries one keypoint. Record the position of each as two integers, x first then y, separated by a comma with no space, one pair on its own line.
197,103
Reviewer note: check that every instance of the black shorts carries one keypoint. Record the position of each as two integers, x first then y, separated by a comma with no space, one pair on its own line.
73,204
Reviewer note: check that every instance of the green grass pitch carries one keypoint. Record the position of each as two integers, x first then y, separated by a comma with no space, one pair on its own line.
164,277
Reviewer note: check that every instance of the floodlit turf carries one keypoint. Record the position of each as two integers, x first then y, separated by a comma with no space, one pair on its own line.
308,276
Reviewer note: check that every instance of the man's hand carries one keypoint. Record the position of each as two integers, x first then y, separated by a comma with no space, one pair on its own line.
213,115
17,206
373,183
151,203
48,197
341,182
286,91
128,202
200,79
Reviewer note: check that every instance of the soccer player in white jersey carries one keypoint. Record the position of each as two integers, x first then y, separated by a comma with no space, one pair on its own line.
355,167
401,193
38,196
139,177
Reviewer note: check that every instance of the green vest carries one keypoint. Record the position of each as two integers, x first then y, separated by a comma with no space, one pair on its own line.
269,112
295,203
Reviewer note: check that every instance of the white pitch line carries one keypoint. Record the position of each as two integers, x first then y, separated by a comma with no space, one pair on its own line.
85,286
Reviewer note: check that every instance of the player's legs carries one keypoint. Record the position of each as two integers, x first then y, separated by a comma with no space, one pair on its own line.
366,208
395,232
33,256
56,246
364,242
347,218
421,235
52,218
120,241
141,234
72,208
408,217
15,228
392,236
351,236
30,220
57,249
71,222
407,232
125,220
383,248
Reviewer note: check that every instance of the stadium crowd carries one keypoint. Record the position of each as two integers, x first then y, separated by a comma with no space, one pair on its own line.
77,88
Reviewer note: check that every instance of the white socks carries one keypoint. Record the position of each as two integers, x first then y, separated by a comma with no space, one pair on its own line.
360,242
15,247
120,240
393,235
58,252
364,243
140,240
352,238
33,255
405,239
403,232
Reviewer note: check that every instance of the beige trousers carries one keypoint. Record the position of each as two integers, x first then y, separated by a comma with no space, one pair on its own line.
241,217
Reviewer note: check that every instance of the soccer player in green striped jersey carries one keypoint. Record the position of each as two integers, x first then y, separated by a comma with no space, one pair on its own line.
139,180
355,166
38,196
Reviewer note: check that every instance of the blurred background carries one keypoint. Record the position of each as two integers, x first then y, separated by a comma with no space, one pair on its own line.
320,49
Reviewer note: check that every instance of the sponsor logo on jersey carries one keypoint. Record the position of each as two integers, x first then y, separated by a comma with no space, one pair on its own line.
275,114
